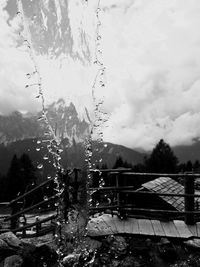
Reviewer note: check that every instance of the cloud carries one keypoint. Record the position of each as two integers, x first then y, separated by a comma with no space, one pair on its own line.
151,50
152,54
14,64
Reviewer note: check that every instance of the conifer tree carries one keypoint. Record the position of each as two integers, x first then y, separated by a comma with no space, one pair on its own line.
162,159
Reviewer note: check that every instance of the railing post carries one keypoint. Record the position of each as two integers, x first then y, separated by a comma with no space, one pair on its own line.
14,210
38,225
189,200
117,186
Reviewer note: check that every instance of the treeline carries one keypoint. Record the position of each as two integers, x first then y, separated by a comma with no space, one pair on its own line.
23,176
161,160
20,177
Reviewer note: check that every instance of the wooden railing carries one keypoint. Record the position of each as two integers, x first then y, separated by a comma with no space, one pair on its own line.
17,209
118,191
122,192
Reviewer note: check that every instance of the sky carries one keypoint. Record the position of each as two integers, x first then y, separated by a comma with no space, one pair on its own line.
151,51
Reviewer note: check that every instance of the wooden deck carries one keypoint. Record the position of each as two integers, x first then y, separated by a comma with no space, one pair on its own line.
107,225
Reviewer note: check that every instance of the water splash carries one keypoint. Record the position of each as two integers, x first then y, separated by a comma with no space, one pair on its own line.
53,142
96,126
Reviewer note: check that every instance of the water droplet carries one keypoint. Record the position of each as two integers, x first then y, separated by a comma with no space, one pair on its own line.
105,145
38,142
45,198
45,157
37,148
40,166
40,118
28,75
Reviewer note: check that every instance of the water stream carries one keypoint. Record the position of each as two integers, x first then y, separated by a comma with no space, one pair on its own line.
52,139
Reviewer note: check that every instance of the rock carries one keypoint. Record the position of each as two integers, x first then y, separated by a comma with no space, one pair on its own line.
128,262
117,245
164,241
71,260
91,244
166,250
5,250
11,239
194,243
13,261
27,252
45,254
104,259
3,244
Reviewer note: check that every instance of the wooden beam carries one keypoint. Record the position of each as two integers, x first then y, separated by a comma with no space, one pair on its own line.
30,208
189,200
31,191
19,229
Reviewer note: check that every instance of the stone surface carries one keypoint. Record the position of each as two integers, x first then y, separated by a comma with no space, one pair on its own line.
195,243
46,254
117,244
167,251
71,260
11,239
3,244
13,261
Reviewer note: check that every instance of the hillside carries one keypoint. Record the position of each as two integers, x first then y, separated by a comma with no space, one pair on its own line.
72,156
190,152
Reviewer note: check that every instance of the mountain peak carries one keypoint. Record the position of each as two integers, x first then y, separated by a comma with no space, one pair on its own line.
63,119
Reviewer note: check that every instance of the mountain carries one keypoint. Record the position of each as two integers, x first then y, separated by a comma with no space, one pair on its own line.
189,152
63,120
19,134
72,156
51,26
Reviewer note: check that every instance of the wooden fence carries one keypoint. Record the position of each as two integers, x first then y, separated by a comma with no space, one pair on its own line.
19,211
117,191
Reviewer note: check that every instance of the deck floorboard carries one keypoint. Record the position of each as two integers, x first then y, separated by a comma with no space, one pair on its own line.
170,229
145,227
157,227
109,225
182,229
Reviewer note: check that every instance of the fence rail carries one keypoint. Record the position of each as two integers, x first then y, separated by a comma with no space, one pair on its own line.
118,195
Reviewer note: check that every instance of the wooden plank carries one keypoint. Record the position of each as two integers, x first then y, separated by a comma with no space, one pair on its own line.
193,230
101,226
128,227
198,229
109,220
170,229
145,227
120,226
92,229
157,227
182,229
104,229
135,226
115,223
105,225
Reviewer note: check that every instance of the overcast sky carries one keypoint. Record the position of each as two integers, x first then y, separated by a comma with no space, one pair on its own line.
151,50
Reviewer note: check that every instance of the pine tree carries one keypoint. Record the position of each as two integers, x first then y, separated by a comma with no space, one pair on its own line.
14,179
118,163
27,170
21,175
162,159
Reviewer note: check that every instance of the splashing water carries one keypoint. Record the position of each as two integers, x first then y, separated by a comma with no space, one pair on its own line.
53,147
99,116
51,139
